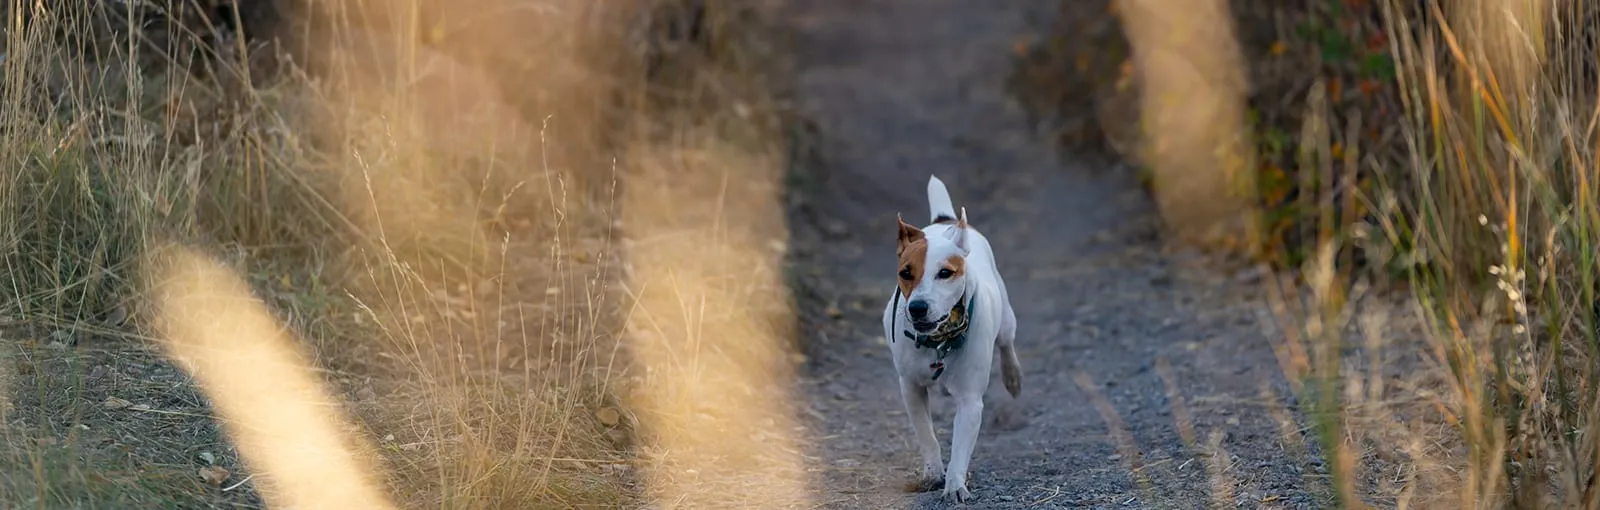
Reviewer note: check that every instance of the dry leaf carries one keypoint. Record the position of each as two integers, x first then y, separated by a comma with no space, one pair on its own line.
608,416
214,475
116,403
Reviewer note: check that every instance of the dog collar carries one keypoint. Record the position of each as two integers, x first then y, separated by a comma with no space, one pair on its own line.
945,339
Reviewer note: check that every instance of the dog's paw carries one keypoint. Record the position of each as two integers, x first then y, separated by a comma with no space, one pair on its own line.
926,483
957,494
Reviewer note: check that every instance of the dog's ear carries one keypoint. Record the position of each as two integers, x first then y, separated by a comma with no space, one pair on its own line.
908,234
961,231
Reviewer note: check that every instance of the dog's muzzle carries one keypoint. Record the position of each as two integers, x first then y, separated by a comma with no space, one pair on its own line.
926,326
955,320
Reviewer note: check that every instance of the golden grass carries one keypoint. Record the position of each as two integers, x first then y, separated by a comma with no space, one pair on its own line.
1478,390
273,406
711,332
1192,114
430,208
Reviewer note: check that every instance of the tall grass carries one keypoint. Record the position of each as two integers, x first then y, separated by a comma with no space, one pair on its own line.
1480,391
426,200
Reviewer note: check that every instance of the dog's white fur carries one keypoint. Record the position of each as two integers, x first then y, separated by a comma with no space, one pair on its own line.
992,324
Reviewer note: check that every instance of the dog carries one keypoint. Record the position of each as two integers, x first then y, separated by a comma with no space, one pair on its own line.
948,315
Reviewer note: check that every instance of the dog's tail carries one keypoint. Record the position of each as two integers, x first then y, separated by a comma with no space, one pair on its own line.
939,205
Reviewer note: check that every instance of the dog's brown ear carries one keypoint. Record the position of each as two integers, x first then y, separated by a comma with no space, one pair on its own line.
908,233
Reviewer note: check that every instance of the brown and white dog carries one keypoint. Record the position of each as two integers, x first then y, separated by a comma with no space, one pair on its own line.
948,314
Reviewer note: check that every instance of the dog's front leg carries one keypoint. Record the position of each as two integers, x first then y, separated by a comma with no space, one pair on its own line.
969,416
916,398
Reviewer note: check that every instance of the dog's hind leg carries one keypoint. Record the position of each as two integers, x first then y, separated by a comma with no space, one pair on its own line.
1010,367
916,399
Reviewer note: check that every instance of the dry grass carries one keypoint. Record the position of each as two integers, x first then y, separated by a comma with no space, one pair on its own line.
1449,147
428,203
1478,390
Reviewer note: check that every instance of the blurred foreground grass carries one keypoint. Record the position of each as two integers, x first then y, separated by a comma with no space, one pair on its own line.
430,203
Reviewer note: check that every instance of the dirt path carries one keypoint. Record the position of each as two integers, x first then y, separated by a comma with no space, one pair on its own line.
1148,384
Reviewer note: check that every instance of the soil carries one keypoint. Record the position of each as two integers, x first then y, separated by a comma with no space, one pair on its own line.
1150,376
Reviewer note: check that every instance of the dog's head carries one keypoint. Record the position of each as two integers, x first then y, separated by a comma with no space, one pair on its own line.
932,273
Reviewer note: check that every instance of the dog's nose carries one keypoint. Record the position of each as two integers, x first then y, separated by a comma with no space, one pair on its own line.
918,309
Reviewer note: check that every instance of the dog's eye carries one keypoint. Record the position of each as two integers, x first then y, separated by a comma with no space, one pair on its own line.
905,274
946,273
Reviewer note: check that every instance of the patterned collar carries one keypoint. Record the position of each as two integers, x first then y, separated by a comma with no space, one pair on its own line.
950,336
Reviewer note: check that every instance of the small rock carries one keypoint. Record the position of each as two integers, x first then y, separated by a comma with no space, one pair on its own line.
214,475
619,438
208,457
608,416
836,228
118,315
1249,276
1114,457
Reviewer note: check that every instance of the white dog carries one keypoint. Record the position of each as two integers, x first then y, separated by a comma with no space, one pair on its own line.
947,316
